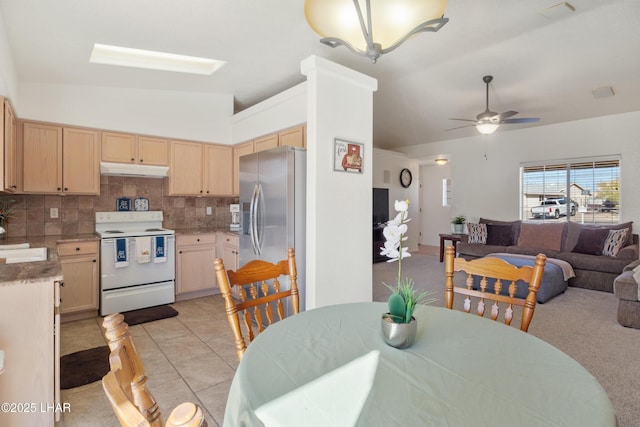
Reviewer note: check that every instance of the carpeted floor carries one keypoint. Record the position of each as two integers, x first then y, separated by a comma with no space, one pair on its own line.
580,322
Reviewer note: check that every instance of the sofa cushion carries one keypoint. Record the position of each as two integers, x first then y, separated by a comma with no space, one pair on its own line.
542,236
593,263
625,286
477,250
477,233
516,226
616,240
591,241
500,234
574,229
550,253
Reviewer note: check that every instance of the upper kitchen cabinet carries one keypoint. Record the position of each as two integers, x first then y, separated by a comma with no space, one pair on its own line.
239,151
128,148
200,169
8,150
294,137
218,170
60,160
266,142
185,168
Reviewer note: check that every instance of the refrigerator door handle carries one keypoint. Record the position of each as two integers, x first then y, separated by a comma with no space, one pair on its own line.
253,219
259,213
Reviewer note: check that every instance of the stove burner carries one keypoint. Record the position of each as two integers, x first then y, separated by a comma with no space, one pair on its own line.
154,229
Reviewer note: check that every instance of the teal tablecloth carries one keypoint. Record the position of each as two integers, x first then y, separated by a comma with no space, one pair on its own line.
330,367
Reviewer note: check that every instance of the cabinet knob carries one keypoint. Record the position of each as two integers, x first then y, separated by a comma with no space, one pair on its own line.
77,249
14,187
66,189
200,191
133,160
197,240
59,188
94,260
141,160
61,285
180,252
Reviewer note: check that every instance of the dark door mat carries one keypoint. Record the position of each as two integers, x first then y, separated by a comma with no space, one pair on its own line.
83,367
136,317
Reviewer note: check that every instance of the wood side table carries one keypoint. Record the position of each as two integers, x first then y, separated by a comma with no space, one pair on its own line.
454,238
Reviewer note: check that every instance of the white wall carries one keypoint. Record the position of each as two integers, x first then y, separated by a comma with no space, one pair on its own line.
489,186
284,110
391,163
8,77
339,263
435,218
181,115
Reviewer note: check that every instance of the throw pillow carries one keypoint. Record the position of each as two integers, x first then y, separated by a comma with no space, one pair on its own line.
615,241
542,236
477,233
591,241
499,234
636,274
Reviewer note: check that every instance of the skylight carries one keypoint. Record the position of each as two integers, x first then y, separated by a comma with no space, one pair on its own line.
138,58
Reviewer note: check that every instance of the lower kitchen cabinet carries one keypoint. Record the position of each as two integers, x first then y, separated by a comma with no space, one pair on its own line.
81,279
195,276
230,250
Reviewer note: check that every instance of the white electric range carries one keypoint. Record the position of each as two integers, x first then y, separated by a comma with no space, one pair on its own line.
137,261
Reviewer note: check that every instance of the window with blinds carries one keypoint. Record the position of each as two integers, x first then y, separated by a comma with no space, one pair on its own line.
585,190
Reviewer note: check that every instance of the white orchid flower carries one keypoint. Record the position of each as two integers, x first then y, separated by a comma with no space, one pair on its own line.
401,205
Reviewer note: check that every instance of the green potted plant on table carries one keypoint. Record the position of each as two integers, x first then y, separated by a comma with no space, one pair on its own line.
6,211
458,223
398,325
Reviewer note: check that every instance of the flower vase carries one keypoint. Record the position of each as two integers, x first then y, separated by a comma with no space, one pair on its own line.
3,232
399,335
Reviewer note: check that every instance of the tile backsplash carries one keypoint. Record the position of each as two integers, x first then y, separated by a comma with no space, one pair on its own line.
76,214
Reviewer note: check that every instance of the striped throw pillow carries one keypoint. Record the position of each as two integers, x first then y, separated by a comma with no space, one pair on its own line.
615,241
477,233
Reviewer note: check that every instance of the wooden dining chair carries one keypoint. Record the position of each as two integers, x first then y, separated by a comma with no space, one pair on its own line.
259,293
126,384
504,274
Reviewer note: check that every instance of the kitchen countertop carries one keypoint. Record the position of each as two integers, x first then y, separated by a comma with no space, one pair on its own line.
30,272
190,231
50,242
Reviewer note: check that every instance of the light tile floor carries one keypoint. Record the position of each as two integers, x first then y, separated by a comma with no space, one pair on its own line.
190,357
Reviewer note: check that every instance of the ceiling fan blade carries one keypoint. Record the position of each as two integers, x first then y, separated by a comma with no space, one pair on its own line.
506,115
521,120
464,120
460,127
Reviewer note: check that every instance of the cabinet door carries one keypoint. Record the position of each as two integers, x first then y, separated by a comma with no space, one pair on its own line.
80,290
10,175
239,151
118,147
42,154
153,151
295,137
194,268
218,170
266,142
185,168
81,161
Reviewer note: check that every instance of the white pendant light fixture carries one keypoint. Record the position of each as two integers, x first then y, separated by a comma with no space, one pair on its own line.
372,28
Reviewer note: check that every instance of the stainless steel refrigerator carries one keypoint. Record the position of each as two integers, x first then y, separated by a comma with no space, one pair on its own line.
273,208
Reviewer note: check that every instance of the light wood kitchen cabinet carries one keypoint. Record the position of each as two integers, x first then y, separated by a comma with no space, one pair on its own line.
200,169
185,168
129,148
8,150
218,170
195,276
266,142
239,150
30,340
230,251
294,137
81,284
60,160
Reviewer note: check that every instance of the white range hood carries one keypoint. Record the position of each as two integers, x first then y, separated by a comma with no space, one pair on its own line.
133,169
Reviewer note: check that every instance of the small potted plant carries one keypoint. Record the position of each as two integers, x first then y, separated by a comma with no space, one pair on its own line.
458,223
398,325
7,211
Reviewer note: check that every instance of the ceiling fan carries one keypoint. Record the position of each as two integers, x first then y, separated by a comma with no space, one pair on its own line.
488,121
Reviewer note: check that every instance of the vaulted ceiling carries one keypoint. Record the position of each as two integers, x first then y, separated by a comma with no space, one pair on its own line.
545,64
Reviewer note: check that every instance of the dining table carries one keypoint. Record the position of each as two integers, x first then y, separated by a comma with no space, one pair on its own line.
330,366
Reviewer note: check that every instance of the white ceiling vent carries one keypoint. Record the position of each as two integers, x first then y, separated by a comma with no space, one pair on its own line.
603,92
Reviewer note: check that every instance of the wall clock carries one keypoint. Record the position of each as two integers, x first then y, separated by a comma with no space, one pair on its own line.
405,177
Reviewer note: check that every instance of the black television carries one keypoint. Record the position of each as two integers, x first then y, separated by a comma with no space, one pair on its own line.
380,218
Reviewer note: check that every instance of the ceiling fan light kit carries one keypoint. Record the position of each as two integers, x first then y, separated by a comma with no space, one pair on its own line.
489,121
378,29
